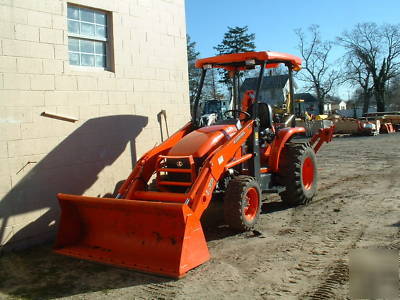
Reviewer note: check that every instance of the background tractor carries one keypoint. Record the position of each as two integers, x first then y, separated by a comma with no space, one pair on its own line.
153,224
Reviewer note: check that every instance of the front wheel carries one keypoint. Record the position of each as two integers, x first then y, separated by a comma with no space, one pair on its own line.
298,173
242,203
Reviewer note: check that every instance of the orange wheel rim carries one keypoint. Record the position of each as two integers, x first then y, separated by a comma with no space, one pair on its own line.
308,173
252,204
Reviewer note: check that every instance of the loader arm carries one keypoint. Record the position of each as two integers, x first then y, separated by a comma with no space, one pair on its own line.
200,194
283,136
157,232
214,167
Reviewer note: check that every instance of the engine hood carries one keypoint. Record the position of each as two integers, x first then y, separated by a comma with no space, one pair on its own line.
202,141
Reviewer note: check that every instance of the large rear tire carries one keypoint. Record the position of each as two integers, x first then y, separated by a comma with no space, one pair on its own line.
298,173
242,203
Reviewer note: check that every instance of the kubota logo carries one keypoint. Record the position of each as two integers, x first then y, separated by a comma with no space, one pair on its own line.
239,137
209,187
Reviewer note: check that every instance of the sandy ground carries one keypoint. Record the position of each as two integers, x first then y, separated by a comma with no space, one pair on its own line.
302,252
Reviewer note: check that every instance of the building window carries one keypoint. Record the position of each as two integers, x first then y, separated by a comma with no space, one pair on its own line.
88,39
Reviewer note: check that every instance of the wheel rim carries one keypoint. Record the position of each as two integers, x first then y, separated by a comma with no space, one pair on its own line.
308,173
252,199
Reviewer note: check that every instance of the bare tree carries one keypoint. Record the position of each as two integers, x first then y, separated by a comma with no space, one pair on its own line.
394,94
378,48
318,73
358,75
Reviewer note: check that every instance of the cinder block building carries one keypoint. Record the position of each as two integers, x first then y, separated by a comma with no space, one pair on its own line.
81,85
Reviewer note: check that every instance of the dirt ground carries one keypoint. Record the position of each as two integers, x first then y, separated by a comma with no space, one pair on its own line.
301,253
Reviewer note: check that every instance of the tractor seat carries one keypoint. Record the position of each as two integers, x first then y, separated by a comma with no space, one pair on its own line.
264,114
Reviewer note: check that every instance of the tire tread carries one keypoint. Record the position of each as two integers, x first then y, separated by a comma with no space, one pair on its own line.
233,211
290,174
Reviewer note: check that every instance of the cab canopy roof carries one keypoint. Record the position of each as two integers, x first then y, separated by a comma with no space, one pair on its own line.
242,61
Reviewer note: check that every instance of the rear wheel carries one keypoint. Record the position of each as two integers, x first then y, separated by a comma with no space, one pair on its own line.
298,173
242,203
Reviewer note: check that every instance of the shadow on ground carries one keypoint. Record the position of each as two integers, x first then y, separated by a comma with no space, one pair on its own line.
215,227
271,207
40,274
396,224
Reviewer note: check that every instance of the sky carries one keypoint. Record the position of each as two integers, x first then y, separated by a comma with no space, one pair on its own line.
274,22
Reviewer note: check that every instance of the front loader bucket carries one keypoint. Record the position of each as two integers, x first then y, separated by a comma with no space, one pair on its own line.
156,237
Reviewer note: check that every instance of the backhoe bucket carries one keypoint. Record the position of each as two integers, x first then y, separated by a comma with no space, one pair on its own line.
155,237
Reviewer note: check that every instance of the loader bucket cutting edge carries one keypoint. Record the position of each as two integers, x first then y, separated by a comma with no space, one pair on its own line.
155,237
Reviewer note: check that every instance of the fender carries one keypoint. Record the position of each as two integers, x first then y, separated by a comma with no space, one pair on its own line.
284,135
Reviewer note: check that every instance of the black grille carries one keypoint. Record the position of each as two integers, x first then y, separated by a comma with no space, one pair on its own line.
178,163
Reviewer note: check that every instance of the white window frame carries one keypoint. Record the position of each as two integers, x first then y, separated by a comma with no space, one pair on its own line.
107,40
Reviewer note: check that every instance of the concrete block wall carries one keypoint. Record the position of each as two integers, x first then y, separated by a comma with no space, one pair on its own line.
116,110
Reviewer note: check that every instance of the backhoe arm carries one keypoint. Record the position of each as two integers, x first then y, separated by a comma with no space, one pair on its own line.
322,136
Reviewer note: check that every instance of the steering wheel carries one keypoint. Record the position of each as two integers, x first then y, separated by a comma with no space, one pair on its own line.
237,112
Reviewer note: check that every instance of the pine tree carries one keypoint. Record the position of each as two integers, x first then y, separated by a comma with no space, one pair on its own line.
236,40
194,73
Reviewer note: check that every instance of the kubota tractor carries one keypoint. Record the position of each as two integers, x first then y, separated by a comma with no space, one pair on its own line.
155,226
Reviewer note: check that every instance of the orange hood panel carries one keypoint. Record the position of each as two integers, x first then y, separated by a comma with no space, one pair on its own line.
202,141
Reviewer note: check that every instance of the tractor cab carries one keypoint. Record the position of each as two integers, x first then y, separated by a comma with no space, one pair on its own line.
246,106
239,66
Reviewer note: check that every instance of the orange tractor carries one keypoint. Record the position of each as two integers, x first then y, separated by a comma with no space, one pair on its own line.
154,225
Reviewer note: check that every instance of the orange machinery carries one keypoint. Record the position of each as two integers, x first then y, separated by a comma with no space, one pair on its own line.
157,228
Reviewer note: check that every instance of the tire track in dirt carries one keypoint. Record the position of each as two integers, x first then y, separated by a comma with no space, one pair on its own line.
304,250
159,290
317,260
314,261
338,275
318,256
335,242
